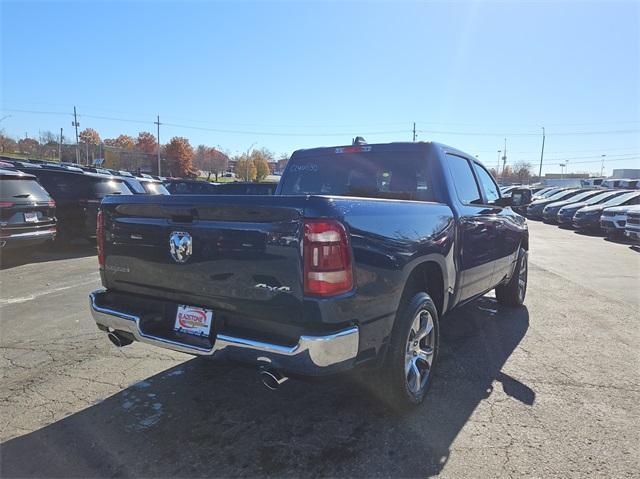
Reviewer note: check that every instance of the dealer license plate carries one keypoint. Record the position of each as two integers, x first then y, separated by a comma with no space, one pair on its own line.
31,217
193,320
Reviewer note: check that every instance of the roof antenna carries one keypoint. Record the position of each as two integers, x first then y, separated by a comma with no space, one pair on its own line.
358,140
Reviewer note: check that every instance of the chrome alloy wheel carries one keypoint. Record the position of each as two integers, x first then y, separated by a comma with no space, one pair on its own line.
522,278
419,351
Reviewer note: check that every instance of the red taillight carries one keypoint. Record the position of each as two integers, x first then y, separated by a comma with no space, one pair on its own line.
51,204
327,258
100,238
5,204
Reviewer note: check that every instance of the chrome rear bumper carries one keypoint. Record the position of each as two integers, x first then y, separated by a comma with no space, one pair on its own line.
312,355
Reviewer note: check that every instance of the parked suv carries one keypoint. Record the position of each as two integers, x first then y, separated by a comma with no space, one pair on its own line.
190,187
550,211
632,228
78,196
614,220
145,186
27,212
246,188
535,209
565,214
588,218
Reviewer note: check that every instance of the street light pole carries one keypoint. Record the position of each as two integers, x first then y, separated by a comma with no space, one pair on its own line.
541,156
60,147
498,167
158,124
76,124
602,167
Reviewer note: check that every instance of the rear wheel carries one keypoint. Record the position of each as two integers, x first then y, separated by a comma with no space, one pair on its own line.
412,354
514,292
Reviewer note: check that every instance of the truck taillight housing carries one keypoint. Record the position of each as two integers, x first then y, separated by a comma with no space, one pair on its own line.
100,238
327,258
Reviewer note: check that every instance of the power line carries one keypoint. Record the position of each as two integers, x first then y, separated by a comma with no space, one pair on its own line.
312,134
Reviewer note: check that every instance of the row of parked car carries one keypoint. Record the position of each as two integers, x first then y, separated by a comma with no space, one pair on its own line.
616,212
43,202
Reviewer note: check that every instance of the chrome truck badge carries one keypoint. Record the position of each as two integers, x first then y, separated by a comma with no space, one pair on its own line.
180,246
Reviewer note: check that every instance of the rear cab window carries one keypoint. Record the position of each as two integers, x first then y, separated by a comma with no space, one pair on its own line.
392,175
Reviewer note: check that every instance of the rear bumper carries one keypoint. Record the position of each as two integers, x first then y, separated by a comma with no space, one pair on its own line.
28,238
312,355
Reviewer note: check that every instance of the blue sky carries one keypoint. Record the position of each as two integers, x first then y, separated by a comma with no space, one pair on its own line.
298,74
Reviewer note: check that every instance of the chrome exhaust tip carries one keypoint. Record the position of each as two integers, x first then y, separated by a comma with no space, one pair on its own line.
118,340
272,379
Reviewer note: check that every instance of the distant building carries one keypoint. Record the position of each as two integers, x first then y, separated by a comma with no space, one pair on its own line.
630,173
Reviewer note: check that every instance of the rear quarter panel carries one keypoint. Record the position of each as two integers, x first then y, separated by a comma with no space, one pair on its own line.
389,238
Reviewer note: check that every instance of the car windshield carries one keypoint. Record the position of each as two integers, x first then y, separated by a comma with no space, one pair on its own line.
12,188
581,196
560,195
400,175
619,200
601,197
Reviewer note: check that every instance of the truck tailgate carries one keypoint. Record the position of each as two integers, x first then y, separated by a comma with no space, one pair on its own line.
243,258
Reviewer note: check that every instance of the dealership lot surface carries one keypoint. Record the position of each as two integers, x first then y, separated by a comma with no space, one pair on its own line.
548,390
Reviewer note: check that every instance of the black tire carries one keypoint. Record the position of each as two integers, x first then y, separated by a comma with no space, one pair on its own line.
399,391
513,292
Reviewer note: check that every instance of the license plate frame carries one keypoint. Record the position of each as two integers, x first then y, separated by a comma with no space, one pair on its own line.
30,216
193,320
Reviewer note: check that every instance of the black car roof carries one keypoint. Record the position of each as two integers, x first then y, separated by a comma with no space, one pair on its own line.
16,173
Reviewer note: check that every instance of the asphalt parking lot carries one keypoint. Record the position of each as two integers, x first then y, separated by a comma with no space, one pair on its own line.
550,390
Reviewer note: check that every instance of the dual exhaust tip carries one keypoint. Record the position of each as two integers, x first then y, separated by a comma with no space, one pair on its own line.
271,378
118,340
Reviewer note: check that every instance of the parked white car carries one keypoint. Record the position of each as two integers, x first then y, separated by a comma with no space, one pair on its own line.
632,227
614,220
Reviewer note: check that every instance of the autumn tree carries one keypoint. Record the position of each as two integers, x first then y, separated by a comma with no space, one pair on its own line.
28,146
89,136
179,155
7,144
245,168
262,168
124,142
147,143
260,159
210,160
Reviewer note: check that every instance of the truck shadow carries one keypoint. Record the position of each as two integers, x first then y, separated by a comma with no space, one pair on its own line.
208,419
45,253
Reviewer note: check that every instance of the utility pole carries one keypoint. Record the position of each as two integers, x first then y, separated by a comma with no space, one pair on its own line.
76,124
541,156
60,147
602,167
504,157
414,131
157,122
498,166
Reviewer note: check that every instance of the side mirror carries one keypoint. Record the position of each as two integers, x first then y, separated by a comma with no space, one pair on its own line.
503,201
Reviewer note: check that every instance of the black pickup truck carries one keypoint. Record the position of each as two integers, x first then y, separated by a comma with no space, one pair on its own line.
352,262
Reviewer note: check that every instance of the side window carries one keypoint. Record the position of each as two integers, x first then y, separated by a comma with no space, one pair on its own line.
487,184
463,179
